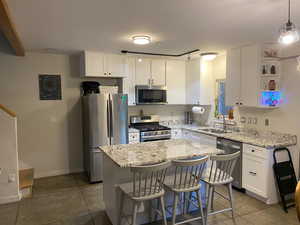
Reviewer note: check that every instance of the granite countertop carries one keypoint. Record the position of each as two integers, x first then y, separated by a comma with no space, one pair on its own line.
126,155
265,139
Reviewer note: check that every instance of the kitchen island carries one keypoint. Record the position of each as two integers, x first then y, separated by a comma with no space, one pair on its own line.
119,158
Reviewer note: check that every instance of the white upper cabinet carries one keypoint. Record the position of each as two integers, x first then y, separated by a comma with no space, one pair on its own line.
175,79
91,64
97,64
115,65
233,77
158,72
143,71
250,60
242,79
200,82
129,81
150,71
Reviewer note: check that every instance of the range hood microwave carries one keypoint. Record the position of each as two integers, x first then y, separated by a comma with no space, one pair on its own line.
147,95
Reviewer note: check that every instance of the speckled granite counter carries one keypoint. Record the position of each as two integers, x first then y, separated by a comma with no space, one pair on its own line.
155,152
265,139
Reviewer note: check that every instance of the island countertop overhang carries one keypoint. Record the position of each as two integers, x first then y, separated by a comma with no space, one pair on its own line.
127,155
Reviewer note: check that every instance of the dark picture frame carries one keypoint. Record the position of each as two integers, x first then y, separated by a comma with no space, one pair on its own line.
50,87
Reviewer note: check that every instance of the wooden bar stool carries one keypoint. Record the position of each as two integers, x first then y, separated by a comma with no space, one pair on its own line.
186,179
147,185
220,173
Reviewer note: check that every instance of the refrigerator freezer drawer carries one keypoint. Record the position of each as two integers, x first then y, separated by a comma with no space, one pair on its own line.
96,166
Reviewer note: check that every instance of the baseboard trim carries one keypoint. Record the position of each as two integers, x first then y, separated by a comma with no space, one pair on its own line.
56,172
10,199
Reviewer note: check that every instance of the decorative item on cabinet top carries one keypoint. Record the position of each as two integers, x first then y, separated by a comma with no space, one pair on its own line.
98,64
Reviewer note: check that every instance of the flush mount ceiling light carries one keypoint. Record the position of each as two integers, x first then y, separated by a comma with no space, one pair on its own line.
141,40
208,55
288,31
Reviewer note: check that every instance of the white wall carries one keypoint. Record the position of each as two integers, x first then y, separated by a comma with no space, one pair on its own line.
9,191
49,132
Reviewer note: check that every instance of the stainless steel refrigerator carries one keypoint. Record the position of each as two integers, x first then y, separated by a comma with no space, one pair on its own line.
105,122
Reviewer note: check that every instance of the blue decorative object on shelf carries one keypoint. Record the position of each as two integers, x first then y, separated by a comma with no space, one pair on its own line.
271,98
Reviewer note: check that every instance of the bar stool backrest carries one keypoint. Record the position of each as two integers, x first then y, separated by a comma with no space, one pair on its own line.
222,167
148,179
188,172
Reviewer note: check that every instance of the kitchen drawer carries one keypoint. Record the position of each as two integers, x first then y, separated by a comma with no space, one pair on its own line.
134,138
255,170
255,151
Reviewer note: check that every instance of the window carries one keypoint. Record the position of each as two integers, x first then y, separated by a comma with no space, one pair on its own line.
221,108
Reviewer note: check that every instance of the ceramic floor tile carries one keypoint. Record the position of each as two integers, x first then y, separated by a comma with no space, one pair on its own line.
48,185
51,208
8,213
100,218
81,179
93,196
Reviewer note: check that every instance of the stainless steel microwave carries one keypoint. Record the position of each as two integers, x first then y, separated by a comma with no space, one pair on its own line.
150,95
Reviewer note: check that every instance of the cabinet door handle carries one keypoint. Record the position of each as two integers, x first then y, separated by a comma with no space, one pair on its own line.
241,103
109,73
252,150
252,173
236,103
104,73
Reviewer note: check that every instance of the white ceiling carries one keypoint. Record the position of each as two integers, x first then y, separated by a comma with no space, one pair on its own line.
175,25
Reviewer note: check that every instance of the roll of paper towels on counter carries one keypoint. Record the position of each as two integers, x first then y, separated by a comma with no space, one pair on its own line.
198,110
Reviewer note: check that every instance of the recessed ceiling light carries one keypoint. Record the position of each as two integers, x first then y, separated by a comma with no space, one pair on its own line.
208,55
141,40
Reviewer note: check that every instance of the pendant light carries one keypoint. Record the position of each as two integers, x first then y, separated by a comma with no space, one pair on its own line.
288,31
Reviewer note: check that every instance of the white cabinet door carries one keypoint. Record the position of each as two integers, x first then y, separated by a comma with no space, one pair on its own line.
175,79
250,58
115,65
129,81
142,71
207,83
158,72
193,81
91,64
233,77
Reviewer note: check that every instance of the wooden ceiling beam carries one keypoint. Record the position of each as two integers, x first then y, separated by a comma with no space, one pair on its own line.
9,30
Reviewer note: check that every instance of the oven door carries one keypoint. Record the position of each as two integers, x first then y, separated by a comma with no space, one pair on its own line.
153,95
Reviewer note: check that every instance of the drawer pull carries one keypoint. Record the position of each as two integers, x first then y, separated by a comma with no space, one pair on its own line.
252,173
252,150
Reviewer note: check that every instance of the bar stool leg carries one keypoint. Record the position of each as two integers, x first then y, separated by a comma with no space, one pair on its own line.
162,203
175,208
200,206
212,198
231,198
208,207
135,208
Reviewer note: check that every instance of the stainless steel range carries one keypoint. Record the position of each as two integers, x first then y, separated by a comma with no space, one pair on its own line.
150,129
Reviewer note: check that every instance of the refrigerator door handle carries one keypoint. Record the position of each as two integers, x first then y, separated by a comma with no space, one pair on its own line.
108,119
111,120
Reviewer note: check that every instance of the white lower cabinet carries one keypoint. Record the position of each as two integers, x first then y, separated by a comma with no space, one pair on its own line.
258,174
134,137
255,171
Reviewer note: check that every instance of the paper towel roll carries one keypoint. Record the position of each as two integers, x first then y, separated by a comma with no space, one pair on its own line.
198,110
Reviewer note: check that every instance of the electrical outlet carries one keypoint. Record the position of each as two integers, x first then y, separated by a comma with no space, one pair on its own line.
11,178
267,122
254,120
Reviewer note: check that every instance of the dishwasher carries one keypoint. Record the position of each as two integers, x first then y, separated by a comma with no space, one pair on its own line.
229,146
